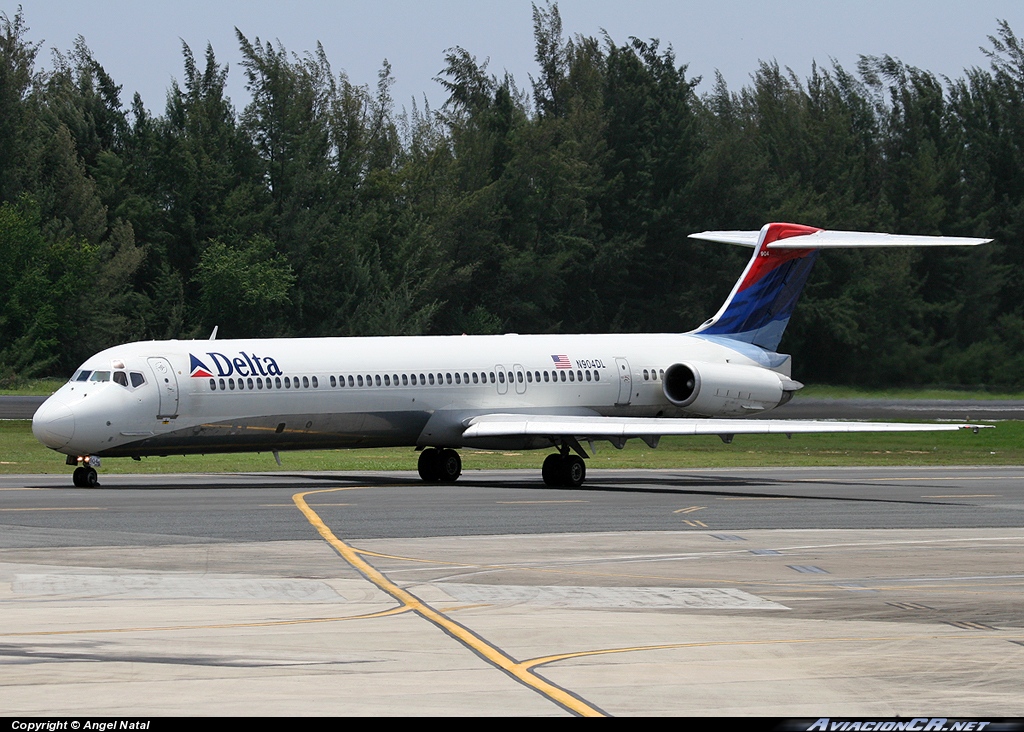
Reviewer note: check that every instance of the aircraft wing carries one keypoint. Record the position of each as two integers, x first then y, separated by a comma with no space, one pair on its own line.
827,239
586,427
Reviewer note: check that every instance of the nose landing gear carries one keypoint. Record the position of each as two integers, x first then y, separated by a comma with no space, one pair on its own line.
85,475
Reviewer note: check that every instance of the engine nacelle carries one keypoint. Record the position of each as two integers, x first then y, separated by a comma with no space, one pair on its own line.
725,389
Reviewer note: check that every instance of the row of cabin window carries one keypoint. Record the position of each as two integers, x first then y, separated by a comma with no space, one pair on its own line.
288,383
654,375
407,379
464,378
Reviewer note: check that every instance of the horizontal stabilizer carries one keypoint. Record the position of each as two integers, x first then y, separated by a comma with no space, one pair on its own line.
826,239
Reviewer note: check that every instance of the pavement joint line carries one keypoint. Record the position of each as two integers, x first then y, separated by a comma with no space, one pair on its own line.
211,626
564,698
59,508
544,660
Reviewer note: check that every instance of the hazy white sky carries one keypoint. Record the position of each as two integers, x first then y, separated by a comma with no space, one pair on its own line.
139,43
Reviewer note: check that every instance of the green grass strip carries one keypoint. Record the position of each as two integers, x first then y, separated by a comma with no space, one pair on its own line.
1004,445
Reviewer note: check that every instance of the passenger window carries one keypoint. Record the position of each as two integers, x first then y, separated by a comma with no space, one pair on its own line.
387,380
562,375
519,376
223,386
412,379
248,383
121,378
316,384
492,377
645,375
213,385
588,374
501,376
277,382
334,381
377,379
597,376
231,384
305,382
570,377
661,374
394,379
529,376
405,379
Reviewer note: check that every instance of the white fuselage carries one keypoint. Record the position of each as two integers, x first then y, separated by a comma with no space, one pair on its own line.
281,394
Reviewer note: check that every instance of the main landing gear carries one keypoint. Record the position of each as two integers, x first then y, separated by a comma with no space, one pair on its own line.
562,470
440,466
567,471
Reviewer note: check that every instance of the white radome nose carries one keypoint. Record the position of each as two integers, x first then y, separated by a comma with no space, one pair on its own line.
54,424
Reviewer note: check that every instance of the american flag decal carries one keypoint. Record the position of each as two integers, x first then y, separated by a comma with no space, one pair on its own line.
561,362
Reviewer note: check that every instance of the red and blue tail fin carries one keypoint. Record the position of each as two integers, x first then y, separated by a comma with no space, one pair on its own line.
758,309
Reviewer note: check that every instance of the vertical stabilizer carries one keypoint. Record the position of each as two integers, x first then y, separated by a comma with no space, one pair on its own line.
758,309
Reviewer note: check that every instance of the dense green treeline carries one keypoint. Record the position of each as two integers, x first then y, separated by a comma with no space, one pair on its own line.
558,206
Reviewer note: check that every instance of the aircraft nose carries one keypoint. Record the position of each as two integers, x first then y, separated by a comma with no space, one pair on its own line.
54,424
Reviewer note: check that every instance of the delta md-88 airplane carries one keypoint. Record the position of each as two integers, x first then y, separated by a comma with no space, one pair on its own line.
441,393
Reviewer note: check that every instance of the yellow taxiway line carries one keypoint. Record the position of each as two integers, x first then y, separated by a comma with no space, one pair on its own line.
517,670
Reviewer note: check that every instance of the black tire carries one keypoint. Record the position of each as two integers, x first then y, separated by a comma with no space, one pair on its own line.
449,466
91,478
78,477
574,471
551,470
429,465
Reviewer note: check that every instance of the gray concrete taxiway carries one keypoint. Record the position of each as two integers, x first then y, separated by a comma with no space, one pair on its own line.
782,592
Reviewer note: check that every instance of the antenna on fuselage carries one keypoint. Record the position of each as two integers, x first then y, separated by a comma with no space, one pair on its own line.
213,335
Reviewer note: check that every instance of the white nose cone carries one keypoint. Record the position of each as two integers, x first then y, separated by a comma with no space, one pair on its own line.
54,424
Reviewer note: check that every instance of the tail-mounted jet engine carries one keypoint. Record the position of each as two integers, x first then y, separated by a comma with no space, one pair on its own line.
725,389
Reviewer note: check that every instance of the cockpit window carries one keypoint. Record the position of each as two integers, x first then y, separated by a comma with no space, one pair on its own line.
121,378
137,379
100,376
82,375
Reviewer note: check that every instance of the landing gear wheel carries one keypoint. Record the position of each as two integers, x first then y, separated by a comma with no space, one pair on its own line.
85,477
574,471
429,465
568,471
551,470
449,466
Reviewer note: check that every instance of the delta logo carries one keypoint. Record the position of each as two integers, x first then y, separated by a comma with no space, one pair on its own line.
244,364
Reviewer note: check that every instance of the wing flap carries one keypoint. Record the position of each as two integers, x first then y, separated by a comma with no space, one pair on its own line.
543,425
